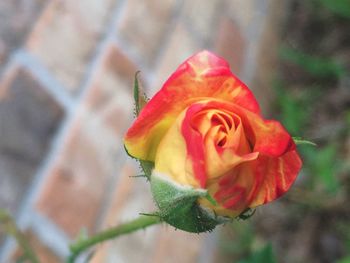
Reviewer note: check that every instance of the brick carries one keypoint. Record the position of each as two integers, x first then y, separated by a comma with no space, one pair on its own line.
202,17
29,118
243,12
111,94
78,182
230,44
43,253
177,246
143,26
14,27
174,55
66,35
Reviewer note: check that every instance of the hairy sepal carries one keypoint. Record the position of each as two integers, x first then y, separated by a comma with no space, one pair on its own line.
178,206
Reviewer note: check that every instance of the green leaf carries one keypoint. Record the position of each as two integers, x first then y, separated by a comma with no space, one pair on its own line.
264,255
178,206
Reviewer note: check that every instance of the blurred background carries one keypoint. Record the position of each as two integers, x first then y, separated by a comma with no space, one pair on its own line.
66,76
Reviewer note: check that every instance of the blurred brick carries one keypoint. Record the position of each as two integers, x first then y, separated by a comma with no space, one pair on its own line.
29,118
74,193
43,253
66,35
202,17
131,197
244,12
144,24
174,55
17,18
177,246
230,44
89,159
110,97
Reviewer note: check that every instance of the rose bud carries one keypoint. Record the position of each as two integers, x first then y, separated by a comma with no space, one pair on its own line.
213,155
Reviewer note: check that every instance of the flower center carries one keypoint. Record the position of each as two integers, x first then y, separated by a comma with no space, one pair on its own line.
219,125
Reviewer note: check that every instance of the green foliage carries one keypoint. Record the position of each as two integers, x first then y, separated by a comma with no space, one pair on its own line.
264,255
344,260
338,7
238,239
316,66
323,164
293,113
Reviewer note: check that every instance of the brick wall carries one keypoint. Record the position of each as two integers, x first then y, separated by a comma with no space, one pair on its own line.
66,73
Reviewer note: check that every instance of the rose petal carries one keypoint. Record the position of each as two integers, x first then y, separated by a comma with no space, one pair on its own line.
203,75
273,177
255,183
172,158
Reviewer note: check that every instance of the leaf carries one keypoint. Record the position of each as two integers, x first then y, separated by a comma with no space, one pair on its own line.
264,255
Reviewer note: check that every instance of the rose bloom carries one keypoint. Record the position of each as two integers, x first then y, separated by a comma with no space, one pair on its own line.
204,129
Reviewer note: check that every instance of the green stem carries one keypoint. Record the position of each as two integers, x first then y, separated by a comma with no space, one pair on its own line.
11,228
142,221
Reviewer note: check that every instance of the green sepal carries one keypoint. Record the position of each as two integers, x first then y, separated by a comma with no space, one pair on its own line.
140,100
246,214
147,167
178,206
301,141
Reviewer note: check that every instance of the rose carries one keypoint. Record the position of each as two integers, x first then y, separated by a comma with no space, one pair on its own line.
203,130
